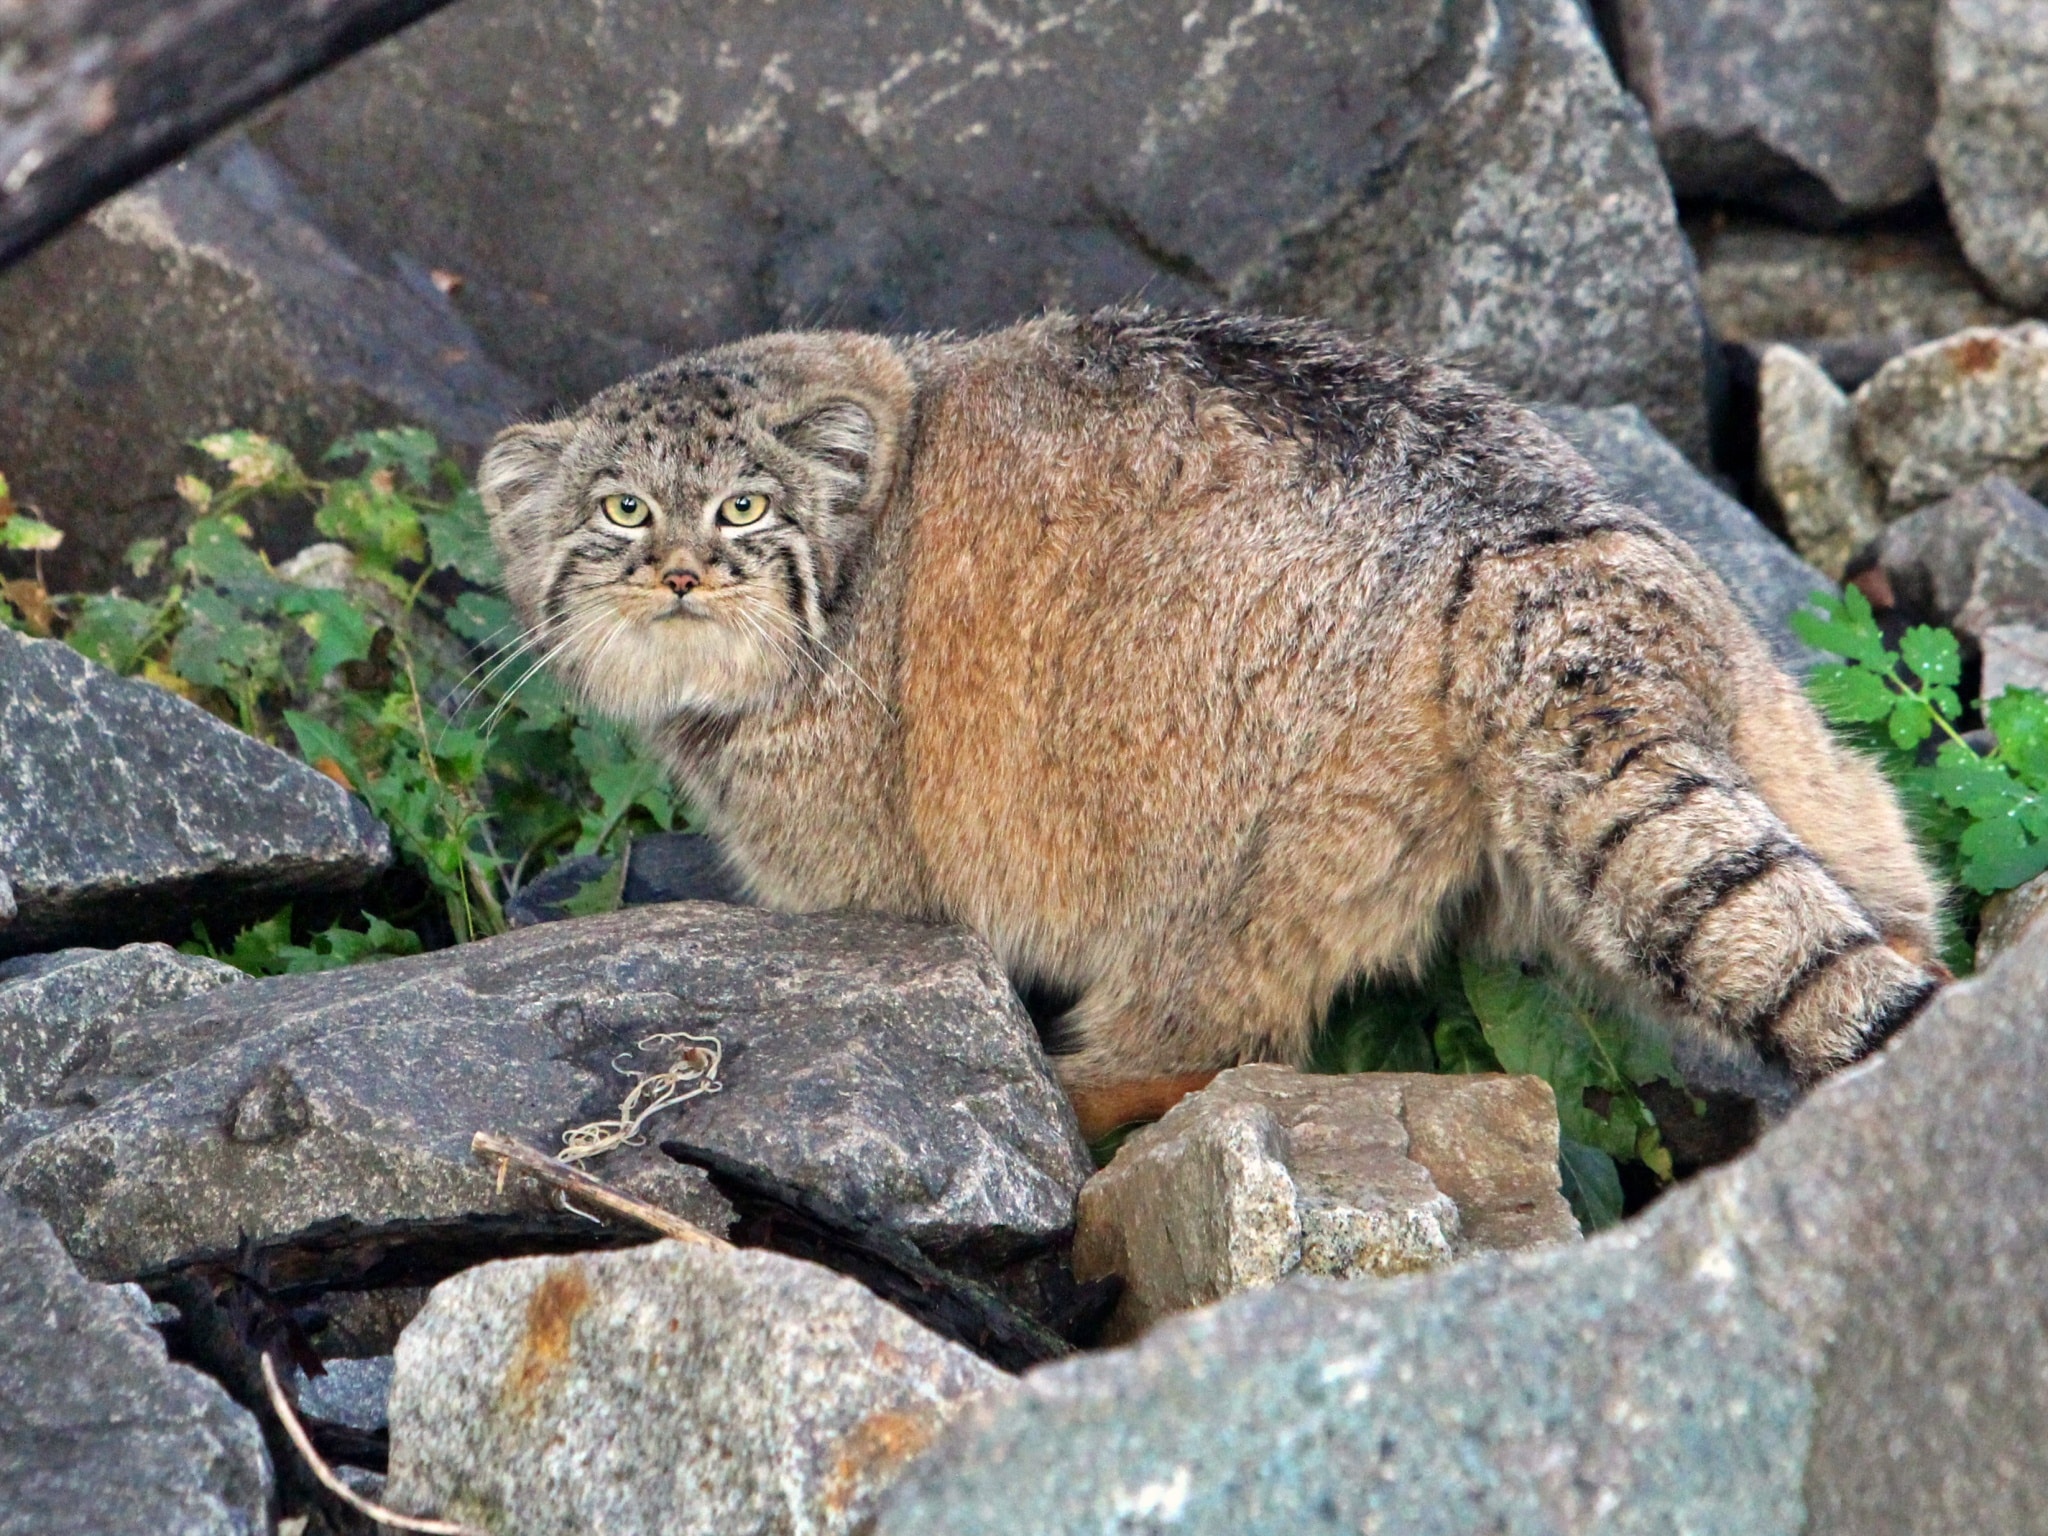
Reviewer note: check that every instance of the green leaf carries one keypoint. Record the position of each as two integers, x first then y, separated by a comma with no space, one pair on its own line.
460,539
256,462
1854,695
605,893
1912,722
1933,655
112,630
1849,629
320,742
1460,1042
409,450
382,527
1591,1183
482,619
24,532
142,556
1998,855
1376,1029
217,550
2018,717
339,630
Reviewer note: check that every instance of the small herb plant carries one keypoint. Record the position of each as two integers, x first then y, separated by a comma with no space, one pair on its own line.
370,667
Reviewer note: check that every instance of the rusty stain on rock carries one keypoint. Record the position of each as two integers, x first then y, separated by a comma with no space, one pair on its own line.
1976,354
873,1449
551,1313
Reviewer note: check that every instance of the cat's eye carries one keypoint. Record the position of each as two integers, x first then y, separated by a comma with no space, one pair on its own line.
626,511
743,509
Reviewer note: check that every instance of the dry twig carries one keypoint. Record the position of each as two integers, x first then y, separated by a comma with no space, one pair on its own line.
552,1171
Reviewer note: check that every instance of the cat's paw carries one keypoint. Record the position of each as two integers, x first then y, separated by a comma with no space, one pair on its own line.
1858,1002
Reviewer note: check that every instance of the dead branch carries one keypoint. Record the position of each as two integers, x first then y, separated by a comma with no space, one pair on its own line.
574,1182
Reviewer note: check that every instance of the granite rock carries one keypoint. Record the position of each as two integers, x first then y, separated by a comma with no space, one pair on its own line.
1990,140
885,1066
1840,1333
2009,915
1852,301
1767,580
1806,452
58,1012
126,812
94,95
1943,416
1462,176
1974,562
666,1391
355,1392
204,299
99,1432
1269,1173
2014,656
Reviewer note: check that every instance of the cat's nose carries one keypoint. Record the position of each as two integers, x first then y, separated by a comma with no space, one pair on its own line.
680,579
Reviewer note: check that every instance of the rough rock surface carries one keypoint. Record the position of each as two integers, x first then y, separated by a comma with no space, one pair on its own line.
94,95
1945,415
1840,1333
1806,453
59,1011
1973,561
204,299
1464,176
668,866
99,1432
2015,656
1766,579
666,1391
126,811
885,1066
1270,1172
2008,916
1853,302
1990,139
1819,108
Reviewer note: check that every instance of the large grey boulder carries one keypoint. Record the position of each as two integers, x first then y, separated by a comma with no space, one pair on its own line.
1819,108
58,1012
96,93
883,1066
1945,415
1990,140
1768,581
1463,176
1975,562
667,1391
1268,1173
204,299
126,812
1842,1334
100,1435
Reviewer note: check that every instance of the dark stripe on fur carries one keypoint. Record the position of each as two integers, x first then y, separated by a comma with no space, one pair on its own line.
1710,887
1681,789
1762,1025
1903,1007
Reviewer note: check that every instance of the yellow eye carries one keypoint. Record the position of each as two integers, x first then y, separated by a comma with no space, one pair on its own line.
626,511
739,511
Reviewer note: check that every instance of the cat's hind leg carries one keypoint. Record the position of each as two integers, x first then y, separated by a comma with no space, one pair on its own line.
1598,684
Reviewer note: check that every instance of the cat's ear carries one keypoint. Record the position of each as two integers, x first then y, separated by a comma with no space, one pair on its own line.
841,432
520,461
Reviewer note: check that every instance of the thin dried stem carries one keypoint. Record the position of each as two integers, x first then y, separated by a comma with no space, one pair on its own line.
507,1153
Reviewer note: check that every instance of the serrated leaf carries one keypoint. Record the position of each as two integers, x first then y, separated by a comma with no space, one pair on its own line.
1591,1183
318,740
460,539
1911,723
1849,629
255,461
382,527
142,555
2018,717
1933,655
216,550
1997,855
482,619
112,630
27,533
1854,695
410,450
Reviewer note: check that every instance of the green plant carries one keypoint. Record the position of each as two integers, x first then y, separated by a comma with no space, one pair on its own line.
481,769
1474,1014
1982,815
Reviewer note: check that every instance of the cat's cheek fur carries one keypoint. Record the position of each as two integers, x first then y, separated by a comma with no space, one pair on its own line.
647,673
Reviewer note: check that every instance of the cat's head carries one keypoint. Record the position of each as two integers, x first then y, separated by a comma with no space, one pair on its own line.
681,543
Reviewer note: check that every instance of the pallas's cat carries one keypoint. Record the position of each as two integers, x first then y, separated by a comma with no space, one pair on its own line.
1204,663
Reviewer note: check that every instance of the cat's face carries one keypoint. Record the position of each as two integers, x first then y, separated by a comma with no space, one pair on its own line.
681,543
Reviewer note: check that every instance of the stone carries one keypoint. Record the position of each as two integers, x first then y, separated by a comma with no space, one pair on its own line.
2015,656
58,1012
1941,417
1852,301
1767,580
665,1391
1839,1333
94,96
1818,109
99,1431
667,866
355,1392
884,1066
208,298
126,812
2009,915
1806,452
1974,562
1460,176
1270,1172
1990,140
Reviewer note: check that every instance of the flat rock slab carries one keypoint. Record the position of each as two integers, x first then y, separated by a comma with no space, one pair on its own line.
1270,1172
1990,140
127,812
1841,1334
1458,176
1767,580
203,299
1818,108
100,1435
883,1065
667,1391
